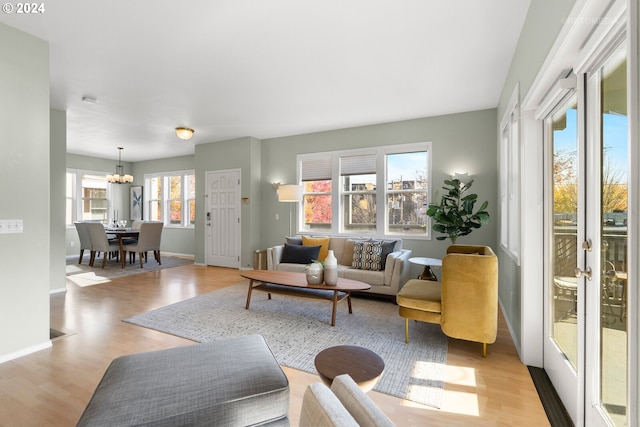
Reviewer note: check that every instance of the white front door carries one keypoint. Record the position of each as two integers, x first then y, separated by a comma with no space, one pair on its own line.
586,276
222,218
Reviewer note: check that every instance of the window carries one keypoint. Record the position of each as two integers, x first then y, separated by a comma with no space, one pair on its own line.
171,198
378,191
87,197
510,179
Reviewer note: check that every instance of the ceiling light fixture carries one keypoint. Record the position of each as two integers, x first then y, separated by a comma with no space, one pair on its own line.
184,133
119,177
89,99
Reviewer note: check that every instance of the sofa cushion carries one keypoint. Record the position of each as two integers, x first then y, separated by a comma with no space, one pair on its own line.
314,241
347,252
367,255
293,240
297,254
235,381
388,246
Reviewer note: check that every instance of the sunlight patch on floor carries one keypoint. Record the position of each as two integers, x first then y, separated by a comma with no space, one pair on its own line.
460,395
87,279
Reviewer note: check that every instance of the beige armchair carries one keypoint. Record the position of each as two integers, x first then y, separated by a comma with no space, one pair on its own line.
464,303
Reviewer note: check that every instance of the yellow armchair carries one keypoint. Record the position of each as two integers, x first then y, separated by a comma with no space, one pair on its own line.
464,303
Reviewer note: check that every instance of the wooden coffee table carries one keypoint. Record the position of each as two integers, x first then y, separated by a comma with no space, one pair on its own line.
295,284
361,364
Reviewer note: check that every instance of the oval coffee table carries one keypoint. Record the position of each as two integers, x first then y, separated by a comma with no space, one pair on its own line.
361,364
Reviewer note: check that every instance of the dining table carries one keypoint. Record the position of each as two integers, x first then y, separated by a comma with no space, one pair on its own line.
122,233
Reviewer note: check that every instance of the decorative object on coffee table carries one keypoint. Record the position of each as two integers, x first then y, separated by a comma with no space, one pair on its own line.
361,364
330,269
314,272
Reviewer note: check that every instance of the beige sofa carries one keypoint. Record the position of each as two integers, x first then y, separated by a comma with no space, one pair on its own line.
388,281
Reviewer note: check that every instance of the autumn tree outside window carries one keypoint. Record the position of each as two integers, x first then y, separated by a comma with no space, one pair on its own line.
170,198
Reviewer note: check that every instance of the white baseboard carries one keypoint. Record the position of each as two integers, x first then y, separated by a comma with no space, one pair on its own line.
510,327
25,351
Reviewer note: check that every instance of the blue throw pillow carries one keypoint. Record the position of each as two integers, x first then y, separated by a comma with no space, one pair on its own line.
297,254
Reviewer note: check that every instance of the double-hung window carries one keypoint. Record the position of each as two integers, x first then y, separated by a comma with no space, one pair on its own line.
171,198
374,191
87,197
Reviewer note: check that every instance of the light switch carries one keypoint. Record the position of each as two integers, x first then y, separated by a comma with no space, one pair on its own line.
11,226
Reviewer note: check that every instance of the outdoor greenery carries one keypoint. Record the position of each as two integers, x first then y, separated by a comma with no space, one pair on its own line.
454,216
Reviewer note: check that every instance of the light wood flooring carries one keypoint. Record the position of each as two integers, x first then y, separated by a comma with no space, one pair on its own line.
52,387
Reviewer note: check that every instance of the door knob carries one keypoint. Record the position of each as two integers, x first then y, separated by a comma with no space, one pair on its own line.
586,245
583,273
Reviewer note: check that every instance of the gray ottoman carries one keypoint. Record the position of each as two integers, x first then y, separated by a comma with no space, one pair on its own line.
232,382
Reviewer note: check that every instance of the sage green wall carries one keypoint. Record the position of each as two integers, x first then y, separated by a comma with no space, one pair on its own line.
57,162
464,142
175,240
243,154
24,143
542,26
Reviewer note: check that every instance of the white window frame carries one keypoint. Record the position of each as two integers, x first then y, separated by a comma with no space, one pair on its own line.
509,161
76,197
165,200
337,226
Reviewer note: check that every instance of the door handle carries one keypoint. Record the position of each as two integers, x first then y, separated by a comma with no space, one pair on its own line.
583,273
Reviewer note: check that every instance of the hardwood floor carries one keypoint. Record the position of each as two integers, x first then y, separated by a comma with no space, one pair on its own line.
52,387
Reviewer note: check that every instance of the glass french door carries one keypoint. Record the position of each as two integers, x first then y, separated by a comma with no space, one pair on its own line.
585,352
606,364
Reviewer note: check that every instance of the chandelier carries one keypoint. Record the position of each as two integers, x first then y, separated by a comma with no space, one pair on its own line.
119,177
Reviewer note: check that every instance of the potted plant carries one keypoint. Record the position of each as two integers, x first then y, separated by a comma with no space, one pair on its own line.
454,216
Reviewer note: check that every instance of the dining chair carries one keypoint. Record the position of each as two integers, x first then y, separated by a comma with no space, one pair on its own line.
100,243
148,240
135,226
85,240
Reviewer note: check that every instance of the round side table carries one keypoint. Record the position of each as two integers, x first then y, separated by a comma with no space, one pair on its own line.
361,364
427,274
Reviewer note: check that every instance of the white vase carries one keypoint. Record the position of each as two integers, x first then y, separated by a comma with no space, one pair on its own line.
314,273
330,269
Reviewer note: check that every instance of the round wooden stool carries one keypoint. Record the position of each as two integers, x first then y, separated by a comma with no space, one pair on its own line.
361,364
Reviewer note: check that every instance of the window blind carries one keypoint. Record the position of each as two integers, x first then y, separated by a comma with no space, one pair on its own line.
358,165
316,169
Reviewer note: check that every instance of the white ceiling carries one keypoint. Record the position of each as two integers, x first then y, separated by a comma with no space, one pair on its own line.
265,68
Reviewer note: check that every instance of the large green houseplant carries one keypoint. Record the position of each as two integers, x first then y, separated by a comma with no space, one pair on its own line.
454,216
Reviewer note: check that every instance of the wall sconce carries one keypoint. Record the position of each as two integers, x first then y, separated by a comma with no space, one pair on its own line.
275,185
464,178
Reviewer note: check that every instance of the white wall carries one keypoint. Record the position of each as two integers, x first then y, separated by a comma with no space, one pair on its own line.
24,193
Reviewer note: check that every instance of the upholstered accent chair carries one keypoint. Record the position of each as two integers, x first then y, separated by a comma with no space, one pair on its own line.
464,302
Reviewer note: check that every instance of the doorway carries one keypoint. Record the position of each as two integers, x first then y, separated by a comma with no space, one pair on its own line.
222,218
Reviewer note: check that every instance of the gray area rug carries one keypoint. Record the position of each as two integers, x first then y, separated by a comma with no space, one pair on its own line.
84,275
299,328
